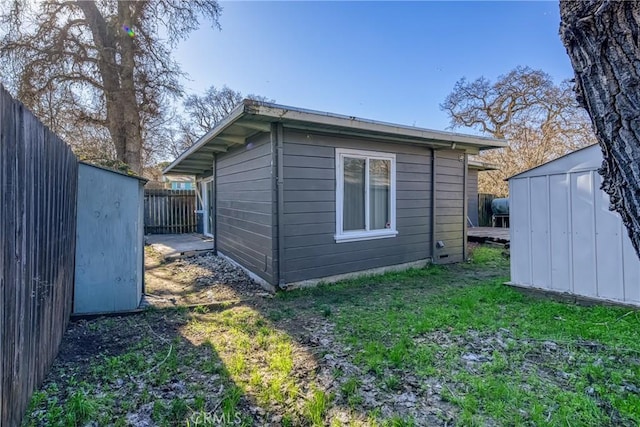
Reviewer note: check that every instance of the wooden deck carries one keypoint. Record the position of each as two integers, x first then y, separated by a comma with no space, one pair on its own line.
488,234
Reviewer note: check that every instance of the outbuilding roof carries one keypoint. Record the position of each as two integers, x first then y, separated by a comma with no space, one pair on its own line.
482,166
117,172
252,117
586,158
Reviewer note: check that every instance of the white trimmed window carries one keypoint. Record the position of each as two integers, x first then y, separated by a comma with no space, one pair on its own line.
365,195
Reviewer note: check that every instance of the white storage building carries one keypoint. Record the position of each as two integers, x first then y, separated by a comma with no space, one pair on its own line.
564,238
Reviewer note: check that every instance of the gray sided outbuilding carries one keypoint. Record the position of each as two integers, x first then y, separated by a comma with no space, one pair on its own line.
281,179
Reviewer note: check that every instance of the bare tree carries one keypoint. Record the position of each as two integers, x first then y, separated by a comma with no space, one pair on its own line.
203,113
540,119
106,63
602,41
207,110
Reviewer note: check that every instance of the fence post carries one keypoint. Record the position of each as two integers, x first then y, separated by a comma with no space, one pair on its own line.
484,213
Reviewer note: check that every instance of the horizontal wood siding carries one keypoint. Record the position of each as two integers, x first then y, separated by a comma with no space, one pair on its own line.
472,196
309,208
245,208
450,205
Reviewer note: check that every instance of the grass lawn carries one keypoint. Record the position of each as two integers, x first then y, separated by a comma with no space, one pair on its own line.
443,345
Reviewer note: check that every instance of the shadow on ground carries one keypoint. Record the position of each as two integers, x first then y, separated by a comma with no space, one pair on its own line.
240,357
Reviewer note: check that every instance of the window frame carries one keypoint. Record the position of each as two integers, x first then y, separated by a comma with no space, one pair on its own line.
342,236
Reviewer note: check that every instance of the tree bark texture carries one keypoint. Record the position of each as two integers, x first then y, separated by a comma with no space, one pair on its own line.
123,118
602,39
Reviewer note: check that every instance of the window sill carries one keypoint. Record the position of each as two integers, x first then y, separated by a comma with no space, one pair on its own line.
370,235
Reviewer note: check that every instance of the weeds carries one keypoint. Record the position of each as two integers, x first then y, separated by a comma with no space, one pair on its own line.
316,406
349,391
483,255
497,356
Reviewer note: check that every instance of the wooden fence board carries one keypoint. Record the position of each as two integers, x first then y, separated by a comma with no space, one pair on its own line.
169,211
38,179
484,209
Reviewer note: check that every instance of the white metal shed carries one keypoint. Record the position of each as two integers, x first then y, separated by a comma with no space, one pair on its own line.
564,238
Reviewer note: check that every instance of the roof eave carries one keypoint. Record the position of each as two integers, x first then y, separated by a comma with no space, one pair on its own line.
237,113
333,123
482,166
283,113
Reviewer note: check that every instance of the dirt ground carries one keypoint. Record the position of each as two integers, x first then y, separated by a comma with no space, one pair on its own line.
140,359
305,358
201,279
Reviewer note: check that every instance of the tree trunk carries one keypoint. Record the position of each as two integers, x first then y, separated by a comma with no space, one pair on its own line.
123,116
602,39
133,130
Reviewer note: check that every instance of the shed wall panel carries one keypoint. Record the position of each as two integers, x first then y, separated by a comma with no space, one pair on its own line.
583,235
245,208
559,206
520,231
610,274
631,268
540,263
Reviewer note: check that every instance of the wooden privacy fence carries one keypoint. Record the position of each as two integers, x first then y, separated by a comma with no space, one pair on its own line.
484,209
38,178
169,211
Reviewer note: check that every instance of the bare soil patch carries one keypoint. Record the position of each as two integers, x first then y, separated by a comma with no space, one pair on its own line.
434,347
200,279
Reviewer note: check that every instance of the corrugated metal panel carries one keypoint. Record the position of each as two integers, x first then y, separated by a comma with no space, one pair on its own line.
540,264
563,236
583,234
608,245
520,231
631,268
560,226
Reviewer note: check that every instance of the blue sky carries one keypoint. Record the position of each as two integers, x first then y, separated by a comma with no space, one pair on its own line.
389,61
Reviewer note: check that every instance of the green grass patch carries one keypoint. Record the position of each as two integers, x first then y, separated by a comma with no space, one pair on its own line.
484,255
423,326
258,358
316,406
501,358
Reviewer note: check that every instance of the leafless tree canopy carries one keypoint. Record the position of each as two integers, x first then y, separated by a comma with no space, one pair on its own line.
103,65
603,42
541,121
203,113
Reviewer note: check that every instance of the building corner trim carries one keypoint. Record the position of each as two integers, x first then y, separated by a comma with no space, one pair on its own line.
433,206
277,133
